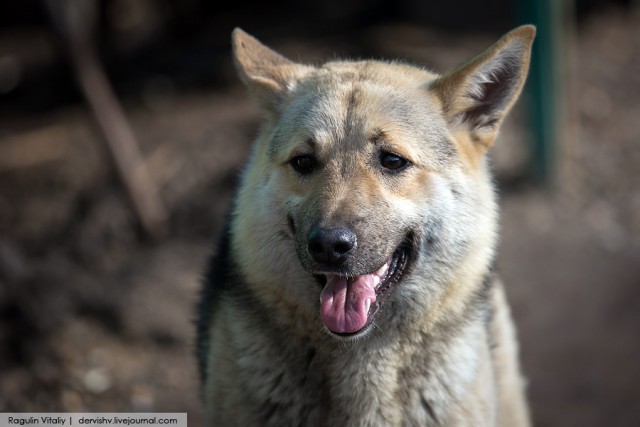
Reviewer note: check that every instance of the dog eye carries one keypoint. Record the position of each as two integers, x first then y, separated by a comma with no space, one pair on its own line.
303,164
392,161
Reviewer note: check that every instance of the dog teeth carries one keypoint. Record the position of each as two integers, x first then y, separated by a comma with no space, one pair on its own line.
367,305
382,271
376,280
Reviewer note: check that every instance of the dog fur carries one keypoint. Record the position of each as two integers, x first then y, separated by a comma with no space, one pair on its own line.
391,159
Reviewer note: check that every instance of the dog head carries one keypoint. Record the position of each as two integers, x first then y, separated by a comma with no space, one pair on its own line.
368,184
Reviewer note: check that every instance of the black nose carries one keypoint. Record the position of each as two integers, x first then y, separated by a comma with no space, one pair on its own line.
330,246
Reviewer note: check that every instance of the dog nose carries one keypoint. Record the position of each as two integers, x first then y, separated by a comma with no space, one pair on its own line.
330,246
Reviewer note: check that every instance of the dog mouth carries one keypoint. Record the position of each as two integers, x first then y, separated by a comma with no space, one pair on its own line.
349,304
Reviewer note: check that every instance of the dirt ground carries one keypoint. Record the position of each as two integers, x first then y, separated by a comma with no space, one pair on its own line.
95,318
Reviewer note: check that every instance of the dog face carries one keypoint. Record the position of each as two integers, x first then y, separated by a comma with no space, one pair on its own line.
367,187
353,164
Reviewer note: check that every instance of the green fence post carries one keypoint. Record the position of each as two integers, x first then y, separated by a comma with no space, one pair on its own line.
543,92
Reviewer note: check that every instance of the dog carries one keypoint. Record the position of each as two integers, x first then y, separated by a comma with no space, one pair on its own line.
353,284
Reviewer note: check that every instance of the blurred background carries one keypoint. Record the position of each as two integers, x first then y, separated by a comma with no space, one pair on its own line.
123,130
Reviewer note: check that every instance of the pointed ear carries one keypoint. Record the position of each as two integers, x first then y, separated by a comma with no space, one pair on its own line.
268,75
480,93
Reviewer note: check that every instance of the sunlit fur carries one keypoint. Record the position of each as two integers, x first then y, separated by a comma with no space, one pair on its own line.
442,349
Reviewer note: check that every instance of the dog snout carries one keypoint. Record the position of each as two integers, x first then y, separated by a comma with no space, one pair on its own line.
330,246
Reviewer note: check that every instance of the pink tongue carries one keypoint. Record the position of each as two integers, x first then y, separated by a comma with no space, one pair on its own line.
343,303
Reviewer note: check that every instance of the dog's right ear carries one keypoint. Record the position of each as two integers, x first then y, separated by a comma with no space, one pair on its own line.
269,76
477,95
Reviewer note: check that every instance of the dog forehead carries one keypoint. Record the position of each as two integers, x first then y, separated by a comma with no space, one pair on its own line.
353,102
369,89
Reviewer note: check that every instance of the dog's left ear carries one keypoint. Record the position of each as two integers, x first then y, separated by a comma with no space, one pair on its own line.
479,94
269,76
